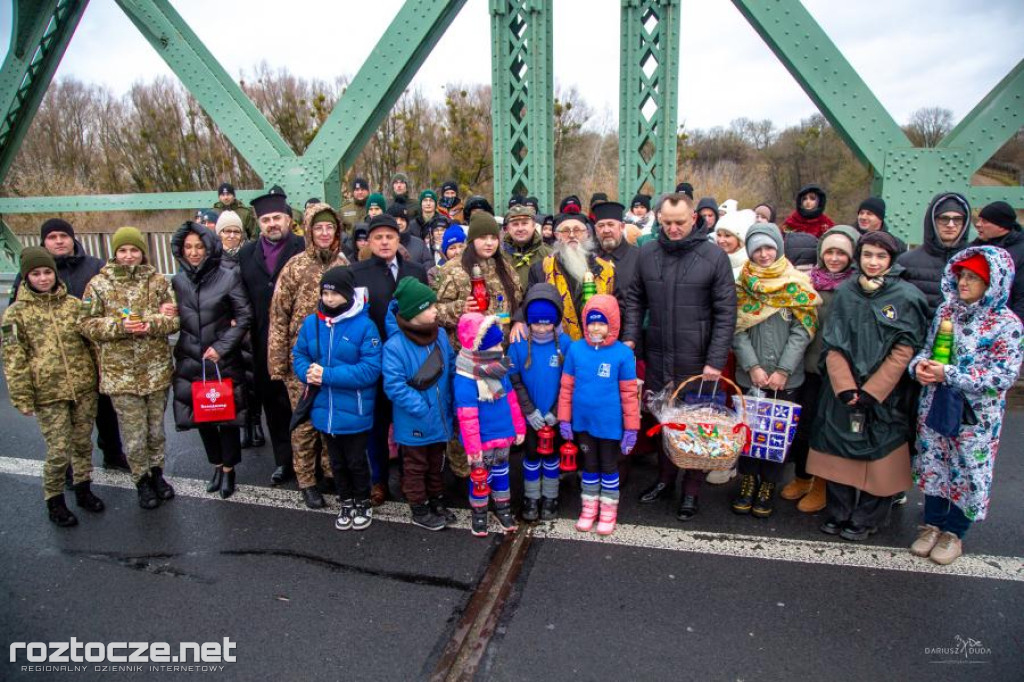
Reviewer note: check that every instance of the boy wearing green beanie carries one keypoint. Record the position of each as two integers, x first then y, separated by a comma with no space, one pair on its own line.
128,312
50,375
375,205
418,367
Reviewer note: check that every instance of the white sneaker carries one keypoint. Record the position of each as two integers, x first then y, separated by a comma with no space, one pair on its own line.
362,516
344,520
720,476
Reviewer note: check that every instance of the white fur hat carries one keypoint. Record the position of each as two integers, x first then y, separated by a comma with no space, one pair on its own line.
737,223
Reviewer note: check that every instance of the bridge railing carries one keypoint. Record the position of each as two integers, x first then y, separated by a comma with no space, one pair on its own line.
98,244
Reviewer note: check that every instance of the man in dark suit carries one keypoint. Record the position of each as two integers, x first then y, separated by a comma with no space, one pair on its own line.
260,262
380,275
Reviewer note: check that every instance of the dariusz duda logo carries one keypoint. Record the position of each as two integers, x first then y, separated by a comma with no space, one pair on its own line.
122,652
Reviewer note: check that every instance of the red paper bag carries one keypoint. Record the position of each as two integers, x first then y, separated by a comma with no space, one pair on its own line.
213,401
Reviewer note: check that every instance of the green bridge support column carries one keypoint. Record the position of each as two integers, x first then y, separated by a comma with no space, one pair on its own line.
648,96
522,100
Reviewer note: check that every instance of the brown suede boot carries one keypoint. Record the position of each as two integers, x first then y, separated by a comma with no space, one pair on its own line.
796,488
814,501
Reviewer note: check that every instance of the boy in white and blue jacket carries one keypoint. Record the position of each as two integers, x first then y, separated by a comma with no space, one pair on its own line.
338,351
536,372
419,364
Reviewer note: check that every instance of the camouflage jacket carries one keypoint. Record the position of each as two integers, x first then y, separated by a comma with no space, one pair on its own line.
46,360
129,364
297,294
456,284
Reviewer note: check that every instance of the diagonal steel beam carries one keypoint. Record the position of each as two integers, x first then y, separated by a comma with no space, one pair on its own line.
388,70
40,34
995,119
219,95
826,76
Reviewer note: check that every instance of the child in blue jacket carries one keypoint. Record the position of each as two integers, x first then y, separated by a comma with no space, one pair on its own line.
418,367
339,351
536,372
597,367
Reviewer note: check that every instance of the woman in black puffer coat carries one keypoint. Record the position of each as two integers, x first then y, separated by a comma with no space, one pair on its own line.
215,316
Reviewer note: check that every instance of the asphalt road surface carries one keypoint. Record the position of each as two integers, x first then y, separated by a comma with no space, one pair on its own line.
720,598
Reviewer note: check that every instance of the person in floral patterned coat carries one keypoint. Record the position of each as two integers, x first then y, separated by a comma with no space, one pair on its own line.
988,346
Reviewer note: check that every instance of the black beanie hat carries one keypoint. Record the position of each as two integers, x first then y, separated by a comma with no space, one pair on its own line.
360,183
1002,214
56,225
33,257
225,188
641,199
597,198
533,202
685,188
874,204
571,204
339,279
397,210
516,200
450,185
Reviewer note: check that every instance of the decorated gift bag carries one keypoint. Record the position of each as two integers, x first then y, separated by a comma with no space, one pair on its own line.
701,431
213,401
773,425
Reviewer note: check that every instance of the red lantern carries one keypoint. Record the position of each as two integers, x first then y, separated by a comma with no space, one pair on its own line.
479,478
546,441
568,452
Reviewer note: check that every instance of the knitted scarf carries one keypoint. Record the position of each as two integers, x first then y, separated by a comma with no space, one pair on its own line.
872,284
824,280
487,368
762,292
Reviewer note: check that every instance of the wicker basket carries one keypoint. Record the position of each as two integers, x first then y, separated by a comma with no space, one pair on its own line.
709,437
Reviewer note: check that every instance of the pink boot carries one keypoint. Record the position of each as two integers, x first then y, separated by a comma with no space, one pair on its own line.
588,515
609,513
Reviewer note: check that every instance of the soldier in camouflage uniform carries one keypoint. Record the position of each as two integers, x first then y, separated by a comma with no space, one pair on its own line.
50,374
129,313
295,298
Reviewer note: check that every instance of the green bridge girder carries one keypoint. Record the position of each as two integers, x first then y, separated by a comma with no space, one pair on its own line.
522,104
648,93
522,100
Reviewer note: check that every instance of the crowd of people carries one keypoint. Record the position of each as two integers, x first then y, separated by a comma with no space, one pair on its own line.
389,339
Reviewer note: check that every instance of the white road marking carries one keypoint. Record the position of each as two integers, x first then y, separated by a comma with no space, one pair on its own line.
831,553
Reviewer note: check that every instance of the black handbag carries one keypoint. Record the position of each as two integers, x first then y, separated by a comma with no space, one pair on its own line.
301,413
429,372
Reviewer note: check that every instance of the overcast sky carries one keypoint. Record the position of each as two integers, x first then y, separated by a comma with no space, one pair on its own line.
912,53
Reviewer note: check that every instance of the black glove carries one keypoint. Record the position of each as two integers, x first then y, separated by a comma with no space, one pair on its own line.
847,396
865,399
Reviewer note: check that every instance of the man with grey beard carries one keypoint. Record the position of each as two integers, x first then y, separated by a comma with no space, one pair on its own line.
573,256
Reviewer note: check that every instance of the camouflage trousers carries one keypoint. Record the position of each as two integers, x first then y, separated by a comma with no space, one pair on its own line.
67,431
307,443
141,418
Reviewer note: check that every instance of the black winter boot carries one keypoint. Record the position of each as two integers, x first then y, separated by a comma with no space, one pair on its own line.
147,496
59,512
161,487
439,508
424,517
85,499
227,485
764,506
744,502
479,526
258,439
215,481
531,509
548,508
503,510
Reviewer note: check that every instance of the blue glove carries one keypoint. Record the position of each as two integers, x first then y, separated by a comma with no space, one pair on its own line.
628,441
535,420
565,428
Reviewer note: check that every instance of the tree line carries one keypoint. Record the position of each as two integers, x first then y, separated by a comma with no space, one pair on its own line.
86,139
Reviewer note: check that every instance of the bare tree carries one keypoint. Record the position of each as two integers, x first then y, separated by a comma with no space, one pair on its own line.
929,125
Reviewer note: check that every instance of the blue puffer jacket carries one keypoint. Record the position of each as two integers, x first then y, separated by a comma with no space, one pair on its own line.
420,417
350,353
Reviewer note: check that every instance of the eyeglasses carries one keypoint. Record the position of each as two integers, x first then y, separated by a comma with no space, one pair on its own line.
575,231
950,220
324,229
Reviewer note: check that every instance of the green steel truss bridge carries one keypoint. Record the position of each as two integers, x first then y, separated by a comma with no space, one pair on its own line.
522,85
